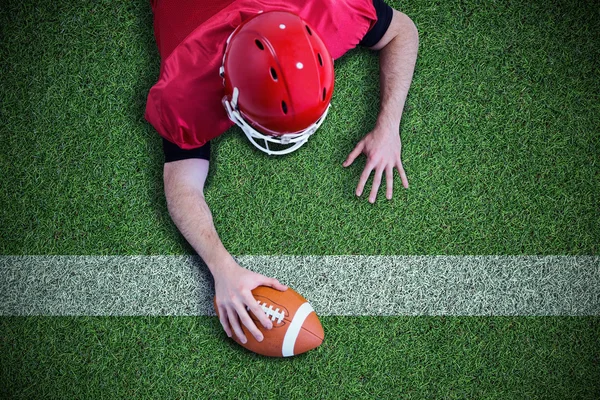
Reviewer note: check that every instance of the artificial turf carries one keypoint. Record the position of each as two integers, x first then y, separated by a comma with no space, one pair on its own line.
500,141
362,357
501,145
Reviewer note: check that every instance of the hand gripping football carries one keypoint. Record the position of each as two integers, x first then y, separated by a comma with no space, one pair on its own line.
296,327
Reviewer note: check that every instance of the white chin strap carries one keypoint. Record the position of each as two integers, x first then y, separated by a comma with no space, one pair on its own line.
292,140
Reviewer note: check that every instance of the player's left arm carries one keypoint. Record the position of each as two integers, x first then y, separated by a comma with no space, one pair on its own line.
382,146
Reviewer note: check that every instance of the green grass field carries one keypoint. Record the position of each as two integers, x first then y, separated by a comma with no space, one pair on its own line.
501,144
363,357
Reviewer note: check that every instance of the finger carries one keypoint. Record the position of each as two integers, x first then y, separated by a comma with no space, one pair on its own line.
363,179
402,174
248,323
257,310
275,284
235,324
376,184
354,153
389,182
223,320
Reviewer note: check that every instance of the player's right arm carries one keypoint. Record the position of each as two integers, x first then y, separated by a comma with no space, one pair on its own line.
184,191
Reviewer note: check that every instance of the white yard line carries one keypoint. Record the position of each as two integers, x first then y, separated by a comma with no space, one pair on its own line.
334,285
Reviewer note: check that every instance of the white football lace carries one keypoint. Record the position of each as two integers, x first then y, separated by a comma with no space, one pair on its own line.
274,314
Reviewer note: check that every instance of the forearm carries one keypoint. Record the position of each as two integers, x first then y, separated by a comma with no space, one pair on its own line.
193,218
397,64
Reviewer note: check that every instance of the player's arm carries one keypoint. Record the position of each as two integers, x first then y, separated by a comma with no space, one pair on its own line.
382,146
184,190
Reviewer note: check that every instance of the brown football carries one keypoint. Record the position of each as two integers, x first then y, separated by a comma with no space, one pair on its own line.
296,327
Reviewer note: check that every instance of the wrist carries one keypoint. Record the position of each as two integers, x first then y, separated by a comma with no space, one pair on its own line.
388,123
221,264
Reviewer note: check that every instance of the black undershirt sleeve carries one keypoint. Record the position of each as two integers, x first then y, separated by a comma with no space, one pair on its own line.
175,153
384,18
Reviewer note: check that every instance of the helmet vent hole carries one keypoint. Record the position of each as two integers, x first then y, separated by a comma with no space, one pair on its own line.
259,44
274,73
320,59
308,30
324,93
284,107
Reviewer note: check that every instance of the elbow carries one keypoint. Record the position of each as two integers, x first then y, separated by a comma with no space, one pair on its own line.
409,29
402,30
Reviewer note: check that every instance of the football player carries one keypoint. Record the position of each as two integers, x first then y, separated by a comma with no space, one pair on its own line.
266,66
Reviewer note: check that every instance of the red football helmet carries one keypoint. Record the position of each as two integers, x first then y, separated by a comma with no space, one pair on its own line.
278,78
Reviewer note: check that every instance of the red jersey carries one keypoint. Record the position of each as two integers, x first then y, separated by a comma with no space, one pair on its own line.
184,106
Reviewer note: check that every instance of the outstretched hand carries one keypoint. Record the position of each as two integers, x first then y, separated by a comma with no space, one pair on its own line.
383,149
233,291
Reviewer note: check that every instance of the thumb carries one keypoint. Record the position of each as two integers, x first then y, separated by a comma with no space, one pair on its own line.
355,153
